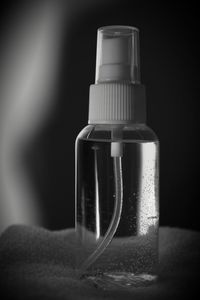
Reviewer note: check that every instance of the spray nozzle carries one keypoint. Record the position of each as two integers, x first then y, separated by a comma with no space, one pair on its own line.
118,54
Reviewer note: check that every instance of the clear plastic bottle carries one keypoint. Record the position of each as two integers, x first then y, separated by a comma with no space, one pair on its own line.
117,208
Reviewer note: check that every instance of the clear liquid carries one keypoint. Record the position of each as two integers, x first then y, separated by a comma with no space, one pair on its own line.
131,257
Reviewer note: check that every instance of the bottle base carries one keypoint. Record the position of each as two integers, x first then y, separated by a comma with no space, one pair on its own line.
124,280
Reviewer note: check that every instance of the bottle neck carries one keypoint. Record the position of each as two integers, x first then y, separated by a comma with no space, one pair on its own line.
117,103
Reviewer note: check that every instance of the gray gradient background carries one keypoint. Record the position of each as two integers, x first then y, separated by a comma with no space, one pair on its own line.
169,42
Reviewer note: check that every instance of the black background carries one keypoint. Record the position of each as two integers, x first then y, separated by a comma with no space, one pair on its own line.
170,68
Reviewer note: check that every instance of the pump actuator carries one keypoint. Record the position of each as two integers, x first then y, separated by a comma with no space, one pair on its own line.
117,97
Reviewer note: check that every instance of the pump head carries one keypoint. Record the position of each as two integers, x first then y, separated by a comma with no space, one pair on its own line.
118,54
117,97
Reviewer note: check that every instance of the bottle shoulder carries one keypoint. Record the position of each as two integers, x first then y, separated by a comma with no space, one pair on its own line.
127,132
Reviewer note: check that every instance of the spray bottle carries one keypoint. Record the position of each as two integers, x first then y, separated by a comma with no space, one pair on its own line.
117,209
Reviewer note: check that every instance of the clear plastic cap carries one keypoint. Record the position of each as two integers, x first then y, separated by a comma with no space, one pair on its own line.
117,54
